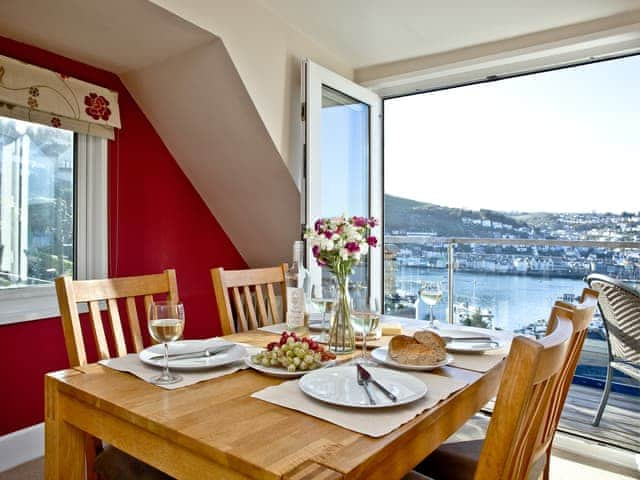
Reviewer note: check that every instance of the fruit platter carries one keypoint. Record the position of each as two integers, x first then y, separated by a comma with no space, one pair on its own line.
291,356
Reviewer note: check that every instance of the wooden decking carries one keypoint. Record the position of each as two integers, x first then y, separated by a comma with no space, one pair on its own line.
620,424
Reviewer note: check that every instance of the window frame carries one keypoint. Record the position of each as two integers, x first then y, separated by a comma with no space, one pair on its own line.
27,303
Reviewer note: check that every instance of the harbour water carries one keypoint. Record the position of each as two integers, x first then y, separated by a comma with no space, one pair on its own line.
514,300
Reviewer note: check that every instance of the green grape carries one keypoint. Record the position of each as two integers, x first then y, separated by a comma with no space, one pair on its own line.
291,368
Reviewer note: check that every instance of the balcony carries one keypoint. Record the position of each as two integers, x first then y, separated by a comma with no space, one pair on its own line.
510,284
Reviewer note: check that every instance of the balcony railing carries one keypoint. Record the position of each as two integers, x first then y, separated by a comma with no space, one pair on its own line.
511,284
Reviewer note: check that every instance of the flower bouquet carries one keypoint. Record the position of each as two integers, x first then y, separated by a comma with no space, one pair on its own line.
338,243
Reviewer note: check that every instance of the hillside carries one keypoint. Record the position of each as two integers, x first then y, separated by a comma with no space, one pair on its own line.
404,215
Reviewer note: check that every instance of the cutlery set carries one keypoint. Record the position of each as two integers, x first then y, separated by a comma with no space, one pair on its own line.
207,352
364,378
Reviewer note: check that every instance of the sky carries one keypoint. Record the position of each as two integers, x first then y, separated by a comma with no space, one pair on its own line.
560,141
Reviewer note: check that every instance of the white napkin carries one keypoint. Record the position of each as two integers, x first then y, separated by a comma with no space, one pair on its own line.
276,328
371,422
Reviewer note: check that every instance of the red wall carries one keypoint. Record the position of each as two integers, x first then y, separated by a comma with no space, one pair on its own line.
156,220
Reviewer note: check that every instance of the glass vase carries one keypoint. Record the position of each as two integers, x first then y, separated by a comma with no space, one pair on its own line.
342,339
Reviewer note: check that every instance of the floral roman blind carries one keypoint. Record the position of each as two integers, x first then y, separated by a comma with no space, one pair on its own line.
43,96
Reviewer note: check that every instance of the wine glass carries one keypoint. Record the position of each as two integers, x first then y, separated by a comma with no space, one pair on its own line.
365,318
323,296
166,324
431,294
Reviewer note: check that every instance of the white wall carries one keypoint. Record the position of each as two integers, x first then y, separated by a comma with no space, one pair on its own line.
198,104
266,51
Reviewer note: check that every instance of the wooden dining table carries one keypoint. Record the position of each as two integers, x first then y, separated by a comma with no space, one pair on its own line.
215,429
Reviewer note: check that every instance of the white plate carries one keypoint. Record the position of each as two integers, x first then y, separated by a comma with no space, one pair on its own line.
339,386
234,354
381,355
281,372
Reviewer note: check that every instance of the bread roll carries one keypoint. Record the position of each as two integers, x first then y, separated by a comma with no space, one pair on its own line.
424,348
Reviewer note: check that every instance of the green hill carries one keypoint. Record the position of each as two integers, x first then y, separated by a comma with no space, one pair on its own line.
403,215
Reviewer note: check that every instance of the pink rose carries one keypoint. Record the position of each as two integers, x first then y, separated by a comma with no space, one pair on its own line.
352,247
372,241
316,250
359,221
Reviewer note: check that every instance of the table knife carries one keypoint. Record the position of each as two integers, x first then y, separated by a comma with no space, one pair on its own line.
208,352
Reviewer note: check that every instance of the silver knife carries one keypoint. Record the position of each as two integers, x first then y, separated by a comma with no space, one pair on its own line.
366,376
207,352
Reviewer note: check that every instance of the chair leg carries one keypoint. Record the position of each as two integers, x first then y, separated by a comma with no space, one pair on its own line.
545,473
605,396
93,446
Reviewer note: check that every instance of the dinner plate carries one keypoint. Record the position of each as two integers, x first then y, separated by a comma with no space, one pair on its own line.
381,355
234,354
281,372
339,386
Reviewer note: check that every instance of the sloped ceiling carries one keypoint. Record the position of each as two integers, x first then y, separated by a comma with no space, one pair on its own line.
200,107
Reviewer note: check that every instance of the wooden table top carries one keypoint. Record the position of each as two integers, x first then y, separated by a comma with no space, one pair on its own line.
220,422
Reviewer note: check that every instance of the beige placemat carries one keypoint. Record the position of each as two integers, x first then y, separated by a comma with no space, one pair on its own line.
482,362
131,364
371,422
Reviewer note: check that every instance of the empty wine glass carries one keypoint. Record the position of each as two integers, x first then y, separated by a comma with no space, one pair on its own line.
365,318
323,296
431,294
166,324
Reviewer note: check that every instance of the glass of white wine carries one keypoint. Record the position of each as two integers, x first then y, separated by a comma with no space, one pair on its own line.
431,294
323,296
365,318
166,324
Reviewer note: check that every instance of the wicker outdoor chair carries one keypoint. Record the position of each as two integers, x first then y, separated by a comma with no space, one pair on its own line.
619,306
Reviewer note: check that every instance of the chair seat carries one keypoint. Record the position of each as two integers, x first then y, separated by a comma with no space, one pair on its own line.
113,464
627,368
456,459
452,461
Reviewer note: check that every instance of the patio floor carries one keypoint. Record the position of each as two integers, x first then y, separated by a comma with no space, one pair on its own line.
620,424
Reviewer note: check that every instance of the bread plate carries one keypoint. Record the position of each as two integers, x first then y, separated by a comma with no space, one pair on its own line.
381,355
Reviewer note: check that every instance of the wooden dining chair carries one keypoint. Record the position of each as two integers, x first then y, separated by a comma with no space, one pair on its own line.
581,316
245,289
110,463
517,438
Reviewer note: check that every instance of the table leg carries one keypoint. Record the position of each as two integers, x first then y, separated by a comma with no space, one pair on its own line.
64,443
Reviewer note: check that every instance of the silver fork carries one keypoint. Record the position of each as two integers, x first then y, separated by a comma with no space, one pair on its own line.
365,385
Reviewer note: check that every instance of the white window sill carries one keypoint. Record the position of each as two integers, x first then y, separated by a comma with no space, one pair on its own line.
24,304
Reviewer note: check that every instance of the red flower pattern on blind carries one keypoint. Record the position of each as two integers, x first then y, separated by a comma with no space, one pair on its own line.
97,106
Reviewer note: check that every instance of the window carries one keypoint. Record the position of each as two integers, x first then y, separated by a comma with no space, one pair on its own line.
510,193
52,214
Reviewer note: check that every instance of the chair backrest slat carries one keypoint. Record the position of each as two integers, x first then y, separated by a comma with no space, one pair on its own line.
227,285
237,300
71,292
116,327
102,347
251,312
273,306
262,311
513,442
134,324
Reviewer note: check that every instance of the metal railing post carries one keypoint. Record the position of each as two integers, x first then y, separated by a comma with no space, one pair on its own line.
450,261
